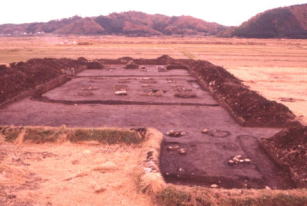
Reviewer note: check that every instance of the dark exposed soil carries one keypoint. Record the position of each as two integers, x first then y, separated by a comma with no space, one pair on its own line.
248,107
22,76
289,149
152,100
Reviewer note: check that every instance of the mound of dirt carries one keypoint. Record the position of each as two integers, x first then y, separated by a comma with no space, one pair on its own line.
164,59
248,107
289,149
131,65
176,66
2,67
22,76
94,65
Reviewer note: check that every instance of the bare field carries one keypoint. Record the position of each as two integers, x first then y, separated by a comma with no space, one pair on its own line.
36,174
277,68
70,174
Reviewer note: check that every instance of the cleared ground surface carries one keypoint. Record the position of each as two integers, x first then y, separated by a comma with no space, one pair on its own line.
207,155
69,174
144,87
257,60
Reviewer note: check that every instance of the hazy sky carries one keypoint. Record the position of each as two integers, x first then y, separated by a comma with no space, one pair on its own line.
227,12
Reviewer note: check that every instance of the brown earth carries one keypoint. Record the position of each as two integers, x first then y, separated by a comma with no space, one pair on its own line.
275,68
23,76
246,106
92,94
62,174
288,148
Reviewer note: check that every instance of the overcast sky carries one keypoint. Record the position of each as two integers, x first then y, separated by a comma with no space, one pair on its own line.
227,12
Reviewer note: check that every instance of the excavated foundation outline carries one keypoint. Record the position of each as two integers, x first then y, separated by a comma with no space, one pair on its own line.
41,98
117,102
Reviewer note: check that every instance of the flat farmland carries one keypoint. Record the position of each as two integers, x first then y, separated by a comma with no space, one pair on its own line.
276,68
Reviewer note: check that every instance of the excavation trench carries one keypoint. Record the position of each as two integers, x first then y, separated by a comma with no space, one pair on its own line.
169,100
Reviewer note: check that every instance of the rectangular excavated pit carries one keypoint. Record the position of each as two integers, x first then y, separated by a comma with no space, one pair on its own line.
88,100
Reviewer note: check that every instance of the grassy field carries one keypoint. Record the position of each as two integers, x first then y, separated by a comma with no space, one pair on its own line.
277,68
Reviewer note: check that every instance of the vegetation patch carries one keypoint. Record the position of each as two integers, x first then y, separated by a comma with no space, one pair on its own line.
42,135
108,136
39,135
10,133
197,196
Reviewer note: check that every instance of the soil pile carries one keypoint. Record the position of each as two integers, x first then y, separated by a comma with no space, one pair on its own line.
289,149
248,107
22,76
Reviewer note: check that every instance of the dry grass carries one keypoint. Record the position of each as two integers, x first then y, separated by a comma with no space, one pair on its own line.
65,173
39,135
184,196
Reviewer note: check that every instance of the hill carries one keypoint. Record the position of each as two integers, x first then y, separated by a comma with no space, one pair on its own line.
284,22
126,23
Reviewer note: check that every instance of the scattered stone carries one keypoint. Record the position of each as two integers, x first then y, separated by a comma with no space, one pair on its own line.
231,162
212,83
216,133
214,186
173,133
267,188
173,147
121,92
180,170
182,151
205,131
238,159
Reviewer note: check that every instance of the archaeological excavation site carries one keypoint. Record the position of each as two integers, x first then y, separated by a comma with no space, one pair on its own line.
131,131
